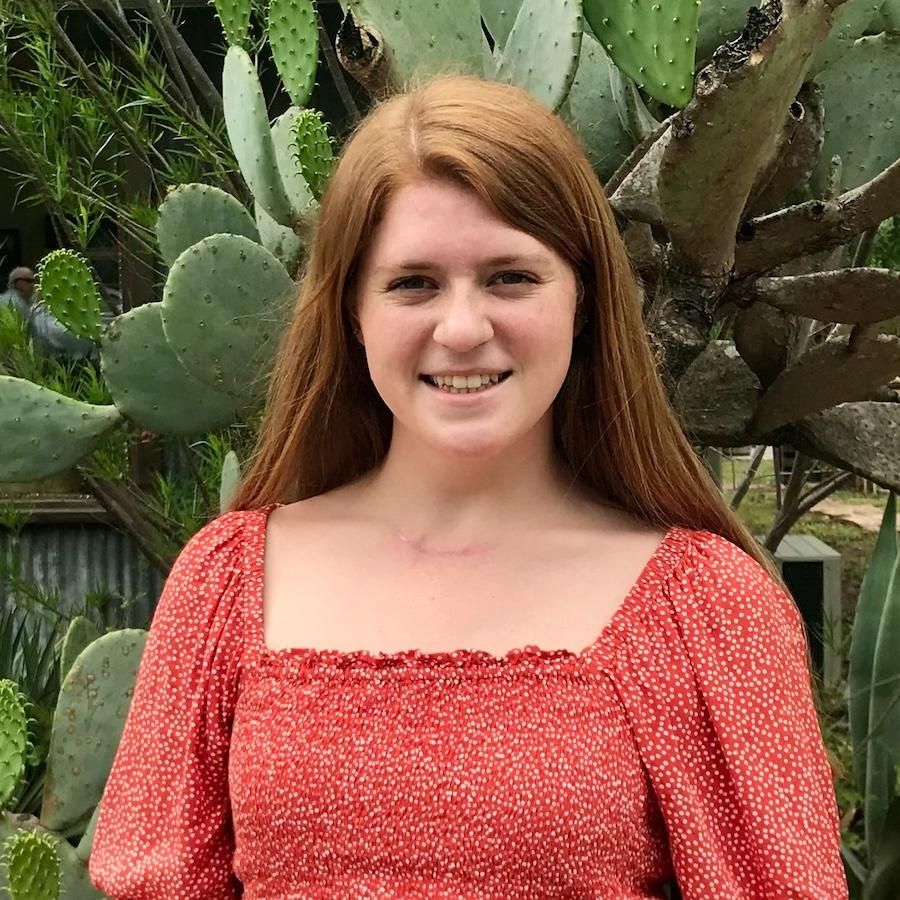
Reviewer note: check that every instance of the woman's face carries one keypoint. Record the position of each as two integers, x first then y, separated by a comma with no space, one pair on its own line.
447,288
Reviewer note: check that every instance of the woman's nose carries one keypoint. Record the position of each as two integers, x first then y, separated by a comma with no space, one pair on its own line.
463,320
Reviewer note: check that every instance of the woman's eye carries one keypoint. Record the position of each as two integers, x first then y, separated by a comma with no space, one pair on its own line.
527,278
405,283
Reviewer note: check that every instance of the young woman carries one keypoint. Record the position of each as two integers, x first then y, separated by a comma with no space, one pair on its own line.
479,623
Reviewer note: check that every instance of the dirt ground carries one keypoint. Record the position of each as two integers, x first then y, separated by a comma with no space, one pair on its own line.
863,514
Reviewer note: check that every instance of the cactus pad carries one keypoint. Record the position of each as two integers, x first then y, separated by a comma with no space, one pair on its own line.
248,131
424,38
75,882
651,41
14,743
93,702
312,150
235,18
294,39
225,303
231,478
499,16
591,110
866,143
850,22
192,212
32,866
541,52
44,432
67,288
81,632
298,191
148,383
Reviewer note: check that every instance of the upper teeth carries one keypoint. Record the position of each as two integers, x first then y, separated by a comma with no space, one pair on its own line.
464,381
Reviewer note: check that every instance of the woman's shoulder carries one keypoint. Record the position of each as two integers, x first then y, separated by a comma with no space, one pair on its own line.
228,540
717,581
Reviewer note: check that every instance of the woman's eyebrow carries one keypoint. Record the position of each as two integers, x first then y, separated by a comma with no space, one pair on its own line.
507,259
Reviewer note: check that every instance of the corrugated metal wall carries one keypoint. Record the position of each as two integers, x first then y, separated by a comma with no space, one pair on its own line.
80,557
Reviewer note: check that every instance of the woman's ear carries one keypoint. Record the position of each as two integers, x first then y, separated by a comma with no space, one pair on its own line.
357,331
580,313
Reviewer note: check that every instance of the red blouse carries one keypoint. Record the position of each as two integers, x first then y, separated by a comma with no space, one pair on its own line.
683,743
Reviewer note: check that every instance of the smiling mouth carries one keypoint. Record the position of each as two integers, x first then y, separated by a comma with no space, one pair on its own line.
484,388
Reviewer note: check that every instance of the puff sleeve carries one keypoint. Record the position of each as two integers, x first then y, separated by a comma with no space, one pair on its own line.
716,689
164,825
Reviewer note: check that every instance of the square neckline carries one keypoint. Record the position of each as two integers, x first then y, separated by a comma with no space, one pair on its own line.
670,549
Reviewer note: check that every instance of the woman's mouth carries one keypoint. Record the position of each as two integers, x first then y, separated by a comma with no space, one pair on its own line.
446,385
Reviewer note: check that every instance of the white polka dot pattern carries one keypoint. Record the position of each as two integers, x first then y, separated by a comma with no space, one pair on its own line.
682,743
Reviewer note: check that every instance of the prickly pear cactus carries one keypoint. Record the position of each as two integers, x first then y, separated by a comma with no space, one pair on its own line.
247,121
93,703
419,39
80,633
51,432
224,304
192,212
32,866
866,144
499,17
235,18
149,384
312,150
67,287
294,39
541,52
14,741
650,41
591,110
75,882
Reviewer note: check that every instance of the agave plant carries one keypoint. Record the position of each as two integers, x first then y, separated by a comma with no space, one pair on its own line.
874,695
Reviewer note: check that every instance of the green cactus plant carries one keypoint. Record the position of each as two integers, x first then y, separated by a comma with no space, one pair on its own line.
44,432
282,242
14,741
231,476
866,144
499,17
32,866
67,287
851,21
294,39
36,860
247,122
312,150
652,42
541,52
192,212
224,304
79,634
93,700
591,110
719,21
235,18
148,383
420,39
